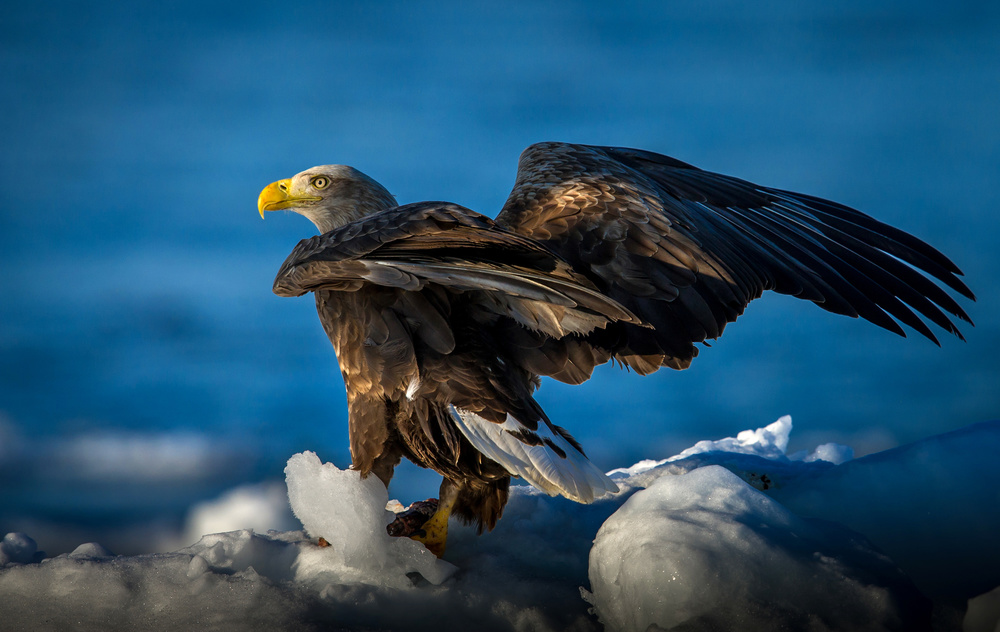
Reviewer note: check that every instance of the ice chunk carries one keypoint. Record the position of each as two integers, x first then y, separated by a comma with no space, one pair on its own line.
705,549
349,513
983,614
757,456
829,452
769,442
18,548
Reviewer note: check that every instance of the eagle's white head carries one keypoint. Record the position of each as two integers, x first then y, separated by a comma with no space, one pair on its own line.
329,195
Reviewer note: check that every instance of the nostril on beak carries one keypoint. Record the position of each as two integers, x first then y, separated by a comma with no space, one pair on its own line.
283,188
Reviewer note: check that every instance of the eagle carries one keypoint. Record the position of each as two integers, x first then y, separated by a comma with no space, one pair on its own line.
444,320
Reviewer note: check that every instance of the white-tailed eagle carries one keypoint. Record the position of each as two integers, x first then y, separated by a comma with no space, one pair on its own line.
444,320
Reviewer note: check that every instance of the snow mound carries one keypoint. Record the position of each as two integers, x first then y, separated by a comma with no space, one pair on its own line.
349,513
704,549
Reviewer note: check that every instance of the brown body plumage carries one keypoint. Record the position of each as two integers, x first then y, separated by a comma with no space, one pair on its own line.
443,320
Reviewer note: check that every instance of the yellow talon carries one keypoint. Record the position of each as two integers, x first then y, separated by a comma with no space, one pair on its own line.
434,533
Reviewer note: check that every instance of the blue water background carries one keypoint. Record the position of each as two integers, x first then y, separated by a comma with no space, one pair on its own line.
145,364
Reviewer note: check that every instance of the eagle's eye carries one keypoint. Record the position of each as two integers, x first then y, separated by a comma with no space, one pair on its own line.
320,182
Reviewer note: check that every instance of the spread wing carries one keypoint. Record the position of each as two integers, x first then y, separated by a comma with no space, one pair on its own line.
686,250
435,243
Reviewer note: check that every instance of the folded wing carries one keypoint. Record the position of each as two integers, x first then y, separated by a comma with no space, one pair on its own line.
435,243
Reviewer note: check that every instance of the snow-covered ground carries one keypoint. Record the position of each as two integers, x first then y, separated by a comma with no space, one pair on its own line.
729,534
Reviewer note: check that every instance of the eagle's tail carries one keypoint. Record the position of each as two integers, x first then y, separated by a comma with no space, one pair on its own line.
547,458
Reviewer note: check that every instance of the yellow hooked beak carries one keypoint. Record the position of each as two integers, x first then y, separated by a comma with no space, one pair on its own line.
276,197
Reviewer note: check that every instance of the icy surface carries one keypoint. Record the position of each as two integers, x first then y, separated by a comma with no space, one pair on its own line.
705,549
724,534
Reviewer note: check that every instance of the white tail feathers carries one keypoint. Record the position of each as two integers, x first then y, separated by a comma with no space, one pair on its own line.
542,457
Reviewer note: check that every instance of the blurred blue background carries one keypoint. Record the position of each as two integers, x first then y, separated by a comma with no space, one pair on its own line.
145,364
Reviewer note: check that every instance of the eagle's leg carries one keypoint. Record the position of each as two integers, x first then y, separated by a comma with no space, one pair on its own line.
385,463
434,533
